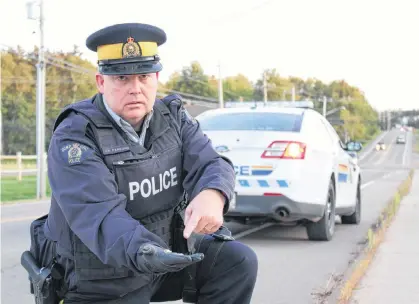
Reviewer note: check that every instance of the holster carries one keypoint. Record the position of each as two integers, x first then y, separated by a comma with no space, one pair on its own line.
46,276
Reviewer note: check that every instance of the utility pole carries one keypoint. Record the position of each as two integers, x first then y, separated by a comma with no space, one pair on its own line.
382,120
220,88
1,115
324,105
388,120
40,104
265,88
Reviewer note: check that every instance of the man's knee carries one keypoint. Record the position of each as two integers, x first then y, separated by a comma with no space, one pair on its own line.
240,257
228,267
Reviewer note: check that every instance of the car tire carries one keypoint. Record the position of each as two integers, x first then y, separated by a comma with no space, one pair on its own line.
324,229
354,218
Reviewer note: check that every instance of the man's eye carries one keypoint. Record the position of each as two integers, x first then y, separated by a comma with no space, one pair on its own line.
122,78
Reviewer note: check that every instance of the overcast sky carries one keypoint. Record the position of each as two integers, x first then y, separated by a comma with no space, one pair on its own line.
371,44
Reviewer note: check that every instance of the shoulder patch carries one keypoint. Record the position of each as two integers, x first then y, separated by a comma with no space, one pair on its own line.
74,153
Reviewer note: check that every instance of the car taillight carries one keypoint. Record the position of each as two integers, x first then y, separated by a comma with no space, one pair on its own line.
285,150
272,194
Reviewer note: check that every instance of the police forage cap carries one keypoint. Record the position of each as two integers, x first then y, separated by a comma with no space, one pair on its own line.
127,48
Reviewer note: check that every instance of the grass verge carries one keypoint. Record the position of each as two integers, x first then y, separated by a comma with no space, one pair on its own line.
13,190
374,238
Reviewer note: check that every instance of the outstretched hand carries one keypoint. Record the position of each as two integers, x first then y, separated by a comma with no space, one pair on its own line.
161,260
204,213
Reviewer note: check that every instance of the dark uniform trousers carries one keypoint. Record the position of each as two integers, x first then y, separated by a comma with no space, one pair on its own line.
228,279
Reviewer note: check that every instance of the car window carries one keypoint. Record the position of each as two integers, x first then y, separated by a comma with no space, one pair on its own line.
318,132
255,121
332,132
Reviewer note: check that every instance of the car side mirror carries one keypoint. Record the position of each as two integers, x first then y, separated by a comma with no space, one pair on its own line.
353,146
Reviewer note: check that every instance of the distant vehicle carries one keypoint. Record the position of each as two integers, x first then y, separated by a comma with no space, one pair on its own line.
290,165
401,139
380,146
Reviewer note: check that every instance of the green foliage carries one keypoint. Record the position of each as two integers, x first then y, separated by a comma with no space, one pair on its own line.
18,79
65,85
237,88
192,80
360,119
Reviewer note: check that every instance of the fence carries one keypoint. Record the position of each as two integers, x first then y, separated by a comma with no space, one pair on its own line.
19,169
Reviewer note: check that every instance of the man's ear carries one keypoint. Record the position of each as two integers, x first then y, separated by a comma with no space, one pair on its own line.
100,80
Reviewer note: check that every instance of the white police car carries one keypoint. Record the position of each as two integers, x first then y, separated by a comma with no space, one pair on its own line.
290,165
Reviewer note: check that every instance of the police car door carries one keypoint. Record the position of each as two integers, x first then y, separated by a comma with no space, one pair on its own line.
342,168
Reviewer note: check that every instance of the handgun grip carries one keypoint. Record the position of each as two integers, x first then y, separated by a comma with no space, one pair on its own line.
29,263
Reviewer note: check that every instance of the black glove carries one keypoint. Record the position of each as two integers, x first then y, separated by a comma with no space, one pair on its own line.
160,260
223,234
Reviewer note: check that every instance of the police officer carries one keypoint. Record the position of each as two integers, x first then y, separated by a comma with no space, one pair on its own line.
120,165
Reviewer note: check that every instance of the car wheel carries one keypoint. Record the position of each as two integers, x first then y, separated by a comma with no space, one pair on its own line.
354,218
324,229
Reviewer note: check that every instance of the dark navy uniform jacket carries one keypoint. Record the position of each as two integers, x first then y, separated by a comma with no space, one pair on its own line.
87,200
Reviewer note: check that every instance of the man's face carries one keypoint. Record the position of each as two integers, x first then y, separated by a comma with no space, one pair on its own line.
130,96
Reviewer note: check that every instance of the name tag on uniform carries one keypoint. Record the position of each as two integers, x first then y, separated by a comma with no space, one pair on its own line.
115,150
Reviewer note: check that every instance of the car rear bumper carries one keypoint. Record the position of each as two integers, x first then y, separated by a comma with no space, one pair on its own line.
277,207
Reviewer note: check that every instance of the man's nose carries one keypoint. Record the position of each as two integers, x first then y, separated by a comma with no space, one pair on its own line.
136,86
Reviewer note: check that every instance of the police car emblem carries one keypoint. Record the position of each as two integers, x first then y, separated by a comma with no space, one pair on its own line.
131,48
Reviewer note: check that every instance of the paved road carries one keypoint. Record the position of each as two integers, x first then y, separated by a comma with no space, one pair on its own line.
291,268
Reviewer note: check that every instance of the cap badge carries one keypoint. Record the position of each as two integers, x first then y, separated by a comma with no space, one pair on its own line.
131,48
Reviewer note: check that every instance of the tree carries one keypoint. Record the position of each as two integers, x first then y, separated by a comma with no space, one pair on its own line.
69,78
279,88
19,94
191,80
238,88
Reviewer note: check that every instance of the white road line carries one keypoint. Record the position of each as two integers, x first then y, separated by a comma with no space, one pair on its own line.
384,155
387,175
25,203
253,230
247,232
372,147
367,184
250,231
237,236
406,147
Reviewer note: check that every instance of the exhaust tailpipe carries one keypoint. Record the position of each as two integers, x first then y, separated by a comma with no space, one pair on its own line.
282,213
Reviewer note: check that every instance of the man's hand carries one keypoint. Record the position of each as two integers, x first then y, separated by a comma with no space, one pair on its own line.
160,260
204,213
